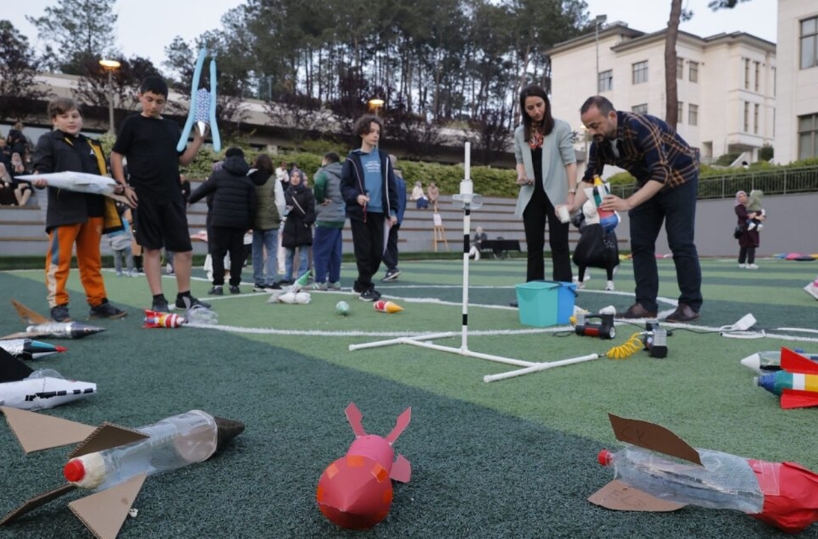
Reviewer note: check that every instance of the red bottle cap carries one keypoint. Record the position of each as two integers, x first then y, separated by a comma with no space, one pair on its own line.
74,471
604,457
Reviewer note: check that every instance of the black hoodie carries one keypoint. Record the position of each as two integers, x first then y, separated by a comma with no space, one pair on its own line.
234,195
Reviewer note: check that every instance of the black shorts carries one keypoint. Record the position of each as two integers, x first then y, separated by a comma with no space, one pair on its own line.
161,223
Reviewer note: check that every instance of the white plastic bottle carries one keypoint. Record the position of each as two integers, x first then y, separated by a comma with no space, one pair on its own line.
723,482
173,442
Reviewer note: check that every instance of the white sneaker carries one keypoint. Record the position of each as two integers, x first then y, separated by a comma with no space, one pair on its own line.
580,285
812,289
609,286
760,227
751,226
752,266
742,266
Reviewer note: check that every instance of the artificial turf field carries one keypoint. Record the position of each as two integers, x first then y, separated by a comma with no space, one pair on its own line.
513,458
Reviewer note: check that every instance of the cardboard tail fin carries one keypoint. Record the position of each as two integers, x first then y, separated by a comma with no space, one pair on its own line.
37,501
29,316
12,369
36,432
104,512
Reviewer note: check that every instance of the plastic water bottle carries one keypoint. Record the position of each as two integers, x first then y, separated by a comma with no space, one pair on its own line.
174,442
723,482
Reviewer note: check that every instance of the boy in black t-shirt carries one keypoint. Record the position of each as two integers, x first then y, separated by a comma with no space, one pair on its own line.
149,141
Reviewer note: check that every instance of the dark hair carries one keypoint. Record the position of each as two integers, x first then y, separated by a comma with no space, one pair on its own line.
363,123
601,103
234,152
61,105
332,157
155,85
263,162
547,120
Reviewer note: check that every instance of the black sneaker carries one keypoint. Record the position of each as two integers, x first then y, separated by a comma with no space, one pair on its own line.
160,305
215,291
60,313
186,302
259,288
106,310
391,275
235,289
370,295
274,286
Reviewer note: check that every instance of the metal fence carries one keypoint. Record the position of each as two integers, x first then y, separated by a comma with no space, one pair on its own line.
782,181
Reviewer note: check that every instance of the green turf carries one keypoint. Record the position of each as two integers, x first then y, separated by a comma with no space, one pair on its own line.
515,458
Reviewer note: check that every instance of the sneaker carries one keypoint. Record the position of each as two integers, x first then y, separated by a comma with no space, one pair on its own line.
259,288
160,305
169,269
811,289
60,313
215,291
759,227
235,289
751,226
334,286
106,310
683,313
119,274
609,287
186,302
636,311
273,286
751,266
391,275
580,285
370,295
742,266
321,287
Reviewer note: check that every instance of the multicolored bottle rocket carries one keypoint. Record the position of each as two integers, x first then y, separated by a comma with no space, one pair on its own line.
796,382
29,349
607,218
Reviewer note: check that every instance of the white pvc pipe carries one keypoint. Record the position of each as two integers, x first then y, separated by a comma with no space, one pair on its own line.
539,367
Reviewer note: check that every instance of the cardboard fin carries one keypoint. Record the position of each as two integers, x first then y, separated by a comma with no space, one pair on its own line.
36,432
653,437
12,369
24,335
795,398
401,470
354,416
36,502
400,425
103,513
795,362
29,316
618,496
107,436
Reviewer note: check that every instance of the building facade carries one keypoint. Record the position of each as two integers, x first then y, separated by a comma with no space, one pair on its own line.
796,126
726,84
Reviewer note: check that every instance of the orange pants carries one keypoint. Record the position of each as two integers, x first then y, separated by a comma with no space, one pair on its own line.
58,261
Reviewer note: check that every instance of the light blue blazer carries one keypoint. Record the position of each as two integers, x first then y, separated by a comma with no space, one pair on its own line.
557,152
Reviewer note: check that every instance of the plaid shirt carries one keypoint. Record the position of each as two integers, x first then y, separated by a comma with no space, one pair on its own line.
648,148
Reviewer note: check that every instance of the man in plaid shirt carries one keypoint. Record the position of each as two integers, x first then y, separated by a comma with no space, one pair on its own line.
667,173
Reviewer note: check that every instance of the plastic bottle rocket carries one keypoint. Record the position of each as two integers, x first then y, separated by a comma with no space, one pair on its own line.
40,326
24,388
388,307
770,361
28,349
607,218
154,319
355,491
797,382
662,468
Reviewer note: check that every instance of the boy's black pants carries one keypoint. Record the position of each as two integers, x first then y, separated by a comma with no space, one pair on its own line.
222,240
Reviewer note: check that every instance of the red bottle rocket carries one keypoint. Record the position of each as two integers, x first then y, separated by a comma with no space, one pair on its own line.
355,491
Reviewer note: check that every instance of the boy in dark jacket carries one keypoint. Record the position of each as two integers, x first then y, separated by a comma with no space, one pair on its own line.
370,193
74,218
234,209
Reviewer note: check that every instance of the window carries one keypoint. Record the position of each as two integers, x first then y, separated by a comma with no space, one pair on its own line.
746,74
605,83
693,114
641,109
680,68
746,117
756,108
694,71
758,74
680,112
640,72
809,43
808,136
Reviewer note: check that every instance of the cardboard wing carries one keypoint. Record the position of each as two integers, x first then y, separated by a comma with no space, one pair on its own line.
617,495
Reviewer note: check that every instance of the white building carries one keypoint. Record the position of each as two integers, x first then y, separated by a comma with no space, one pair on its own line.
796,124
726,84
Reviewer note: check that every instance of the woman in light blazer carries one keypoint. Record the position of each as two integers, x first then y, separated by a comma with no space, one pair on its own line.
547,176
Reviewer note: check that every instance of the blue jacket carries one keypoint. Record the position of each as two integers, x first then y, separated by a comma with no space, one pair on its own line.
400,185
352,185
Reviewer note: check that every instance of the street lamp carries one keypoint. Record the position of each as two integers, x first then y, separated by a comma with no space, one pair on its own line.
600,19
110,66
375,104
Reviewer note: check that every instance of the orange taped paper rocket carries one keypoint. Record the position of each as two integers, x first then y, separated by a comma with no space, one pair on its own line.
658,471
355,491
388,307
112,462
154,319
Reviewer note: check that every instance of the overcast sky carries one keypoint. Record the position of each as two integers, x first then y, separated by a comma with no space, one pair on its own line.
146,27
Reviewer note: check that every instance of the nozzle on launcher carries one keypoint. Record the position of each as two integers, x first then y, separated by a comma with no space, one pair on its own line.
604,329
655,339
